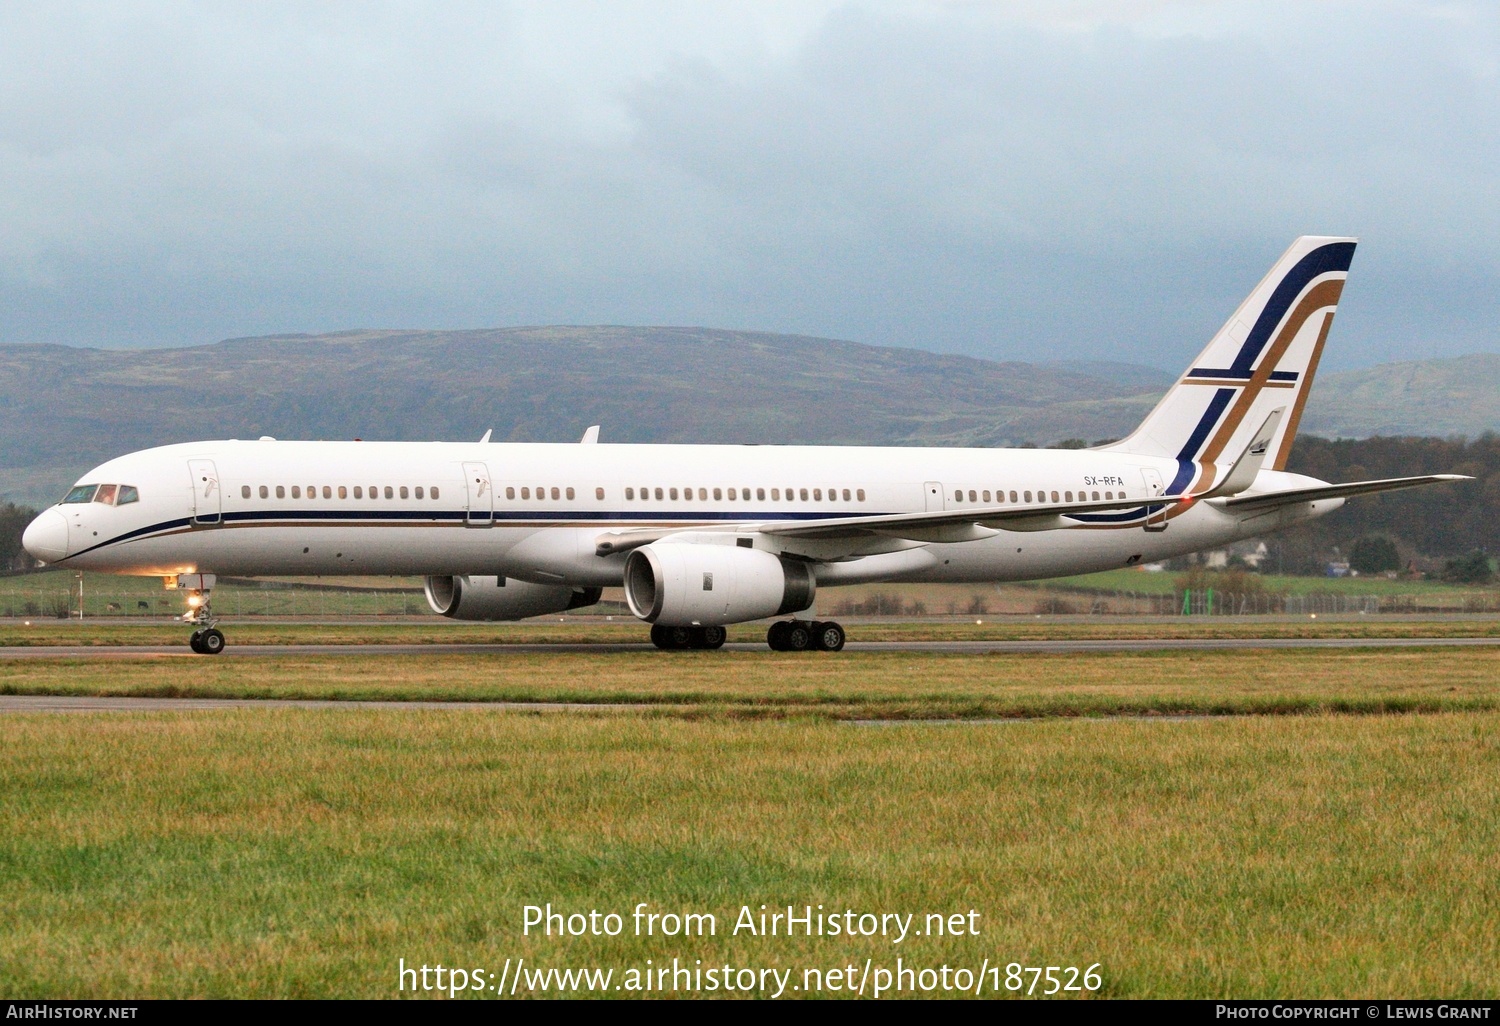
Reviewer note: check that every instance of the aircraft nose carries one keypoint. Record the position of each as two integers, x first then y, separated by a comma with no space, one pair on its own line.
46,537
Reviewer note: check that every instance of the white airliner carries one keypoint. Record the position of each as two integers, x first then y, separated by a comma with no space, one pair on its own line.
706,535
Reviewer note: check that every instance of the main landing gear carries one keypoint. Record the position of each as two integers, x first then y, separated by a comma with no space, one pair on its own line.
805,635
688,637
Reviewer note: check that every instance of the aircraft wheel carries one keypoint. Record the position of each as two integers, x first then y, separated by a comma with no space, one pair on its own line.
212,642
828,636
799,638
776,636
196,642
672,638
714,636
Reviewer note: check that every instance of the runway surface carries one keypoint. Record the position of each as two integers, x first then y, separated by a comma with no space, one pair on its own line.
959,647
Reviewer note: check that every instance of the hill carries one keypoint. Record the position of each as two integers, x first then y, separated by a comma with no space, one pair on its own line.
1458,396
64,409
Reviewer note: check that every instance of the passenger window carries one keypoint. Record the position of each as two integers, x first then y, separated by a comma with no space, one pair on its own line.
403,491
760,494
265,493
658,494
1013,497
359,492
1068,496
343,492
81,493
374,492
1028,496
244,491
389,494
128,493
599,494
973,497
629,494
1096,496
985,495
958,495
818,494
296,491
554,491
525,493
568,493
860,495
281,491
312,491
418,491
804,494
1054,497
434,491
510,491
775,494
673,493
702,494
719,494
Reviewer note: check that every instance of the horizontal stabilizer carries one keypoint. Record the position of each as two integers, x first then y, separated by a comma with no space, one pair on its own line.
1338,491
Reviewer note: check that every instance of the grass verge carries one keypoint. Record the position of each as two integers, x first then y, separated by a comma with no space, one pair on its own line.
852,685
579,631
302,853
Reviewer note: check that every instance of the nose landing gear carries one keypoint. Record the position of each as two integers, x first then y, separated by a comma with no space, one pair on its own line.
207,639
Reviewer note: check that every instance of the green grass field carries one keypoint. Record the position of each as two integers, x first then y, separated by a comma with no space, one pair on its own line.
302,853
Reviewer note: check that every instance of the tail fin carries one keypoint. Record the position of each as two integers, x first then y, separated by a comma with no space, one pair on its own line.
1263,359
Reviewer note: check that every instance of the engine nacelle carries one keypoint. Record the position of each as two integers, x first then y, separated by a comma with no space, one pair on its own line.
678,584
498,598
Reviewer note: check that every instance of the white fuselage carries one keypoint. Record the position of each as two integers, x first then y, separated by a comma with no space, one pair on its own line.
534,512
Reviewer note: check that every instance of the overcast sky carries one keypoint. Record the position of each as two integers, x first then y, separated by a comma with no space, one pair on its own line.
1019,180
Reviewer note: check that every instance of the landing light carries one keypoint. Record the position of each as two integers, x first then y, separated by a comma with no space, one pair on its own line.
195,601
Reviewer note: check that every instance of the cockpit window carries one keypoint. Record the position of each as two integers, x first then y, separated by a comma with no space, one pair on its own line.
109,494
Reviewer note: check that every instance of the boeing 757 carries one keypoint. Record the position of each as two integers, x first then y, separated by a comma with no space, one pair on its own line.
701,536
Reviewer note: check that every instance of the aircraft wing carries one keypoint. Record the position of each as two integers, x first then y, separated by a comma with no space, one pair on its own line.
938,526
1338,491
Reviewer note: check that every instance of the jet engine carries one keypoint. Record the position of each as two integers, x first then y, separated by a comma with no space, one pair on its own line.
498,598
681,584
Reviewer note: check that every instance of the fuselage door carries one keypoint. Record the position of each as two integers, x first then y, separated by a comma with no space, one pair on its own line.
1156,516
934,493
480,508
207,497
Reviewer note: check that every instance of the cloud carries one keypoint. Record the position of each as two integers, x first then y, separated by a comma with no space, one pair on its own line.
1025,182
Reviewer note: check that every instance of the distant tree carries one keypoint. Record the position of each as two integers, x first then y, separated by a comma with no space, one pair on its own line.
1471,569
1070,443
1374,554
13,521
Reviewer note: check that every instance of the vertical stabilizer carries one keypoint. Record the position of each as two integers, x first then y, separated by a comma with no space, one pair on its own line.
1262,360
